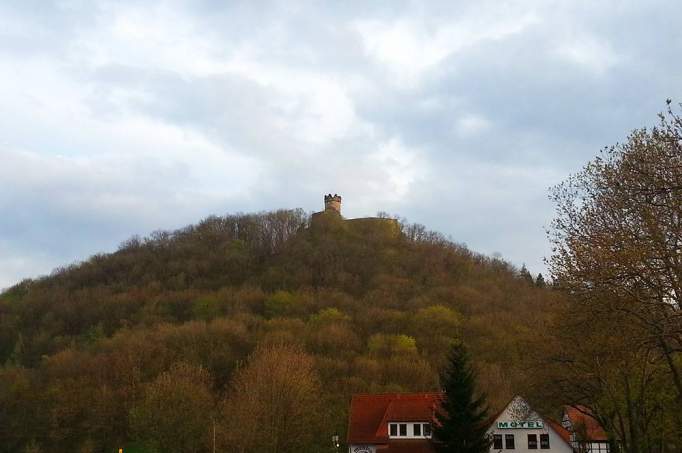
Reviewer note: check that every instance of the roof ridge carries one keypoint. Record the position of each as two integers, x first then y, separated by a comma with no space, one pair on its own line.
398,395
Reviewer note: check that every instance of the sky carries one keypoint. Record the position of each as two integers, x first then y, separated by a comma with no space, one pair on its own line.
118,118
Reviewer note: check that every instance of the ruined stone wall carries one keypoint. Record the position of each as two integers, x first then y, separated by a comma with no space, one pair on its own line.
390,227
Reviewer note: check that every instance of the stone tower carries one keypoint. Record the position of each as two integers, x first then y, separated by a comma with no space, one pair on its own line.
332,203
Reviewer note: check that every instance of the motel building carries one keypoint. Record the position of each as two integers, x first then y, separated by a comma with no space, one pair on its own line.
519,428
403,423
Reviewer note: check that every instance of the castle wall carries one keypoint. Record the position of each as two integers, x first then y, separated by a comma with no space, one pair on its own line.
332,214
390,226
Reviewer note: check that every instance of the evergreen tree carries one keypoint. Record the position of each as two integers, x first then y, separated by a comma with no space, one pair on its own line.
540,281
461,426
525,274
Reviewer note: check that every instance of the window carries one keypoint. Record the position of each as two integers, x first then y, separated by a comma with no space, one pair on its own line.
497,441
532,441
509,441
409,430
544,441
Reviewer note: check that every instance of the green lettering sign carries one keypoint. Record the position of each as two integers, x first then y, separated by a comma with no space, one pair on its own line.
521,424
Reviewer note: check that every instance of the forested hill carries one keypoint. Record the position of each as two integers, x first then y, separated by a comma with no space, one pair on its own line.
374,309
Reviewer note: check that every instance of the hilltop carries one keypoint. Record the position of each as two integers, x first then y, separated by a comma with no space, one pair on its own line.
376,305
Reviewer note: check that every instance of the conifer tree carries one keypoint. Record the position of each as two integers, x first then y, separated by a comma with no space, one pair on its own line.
461,426
540,281
525,274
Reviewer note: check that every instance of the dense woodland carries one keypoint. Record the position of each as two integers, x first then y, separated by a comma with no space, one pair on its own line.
104,353
251,331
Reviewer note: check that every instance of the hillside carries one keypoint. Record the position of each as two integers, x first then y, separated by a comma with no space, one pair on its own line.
375,310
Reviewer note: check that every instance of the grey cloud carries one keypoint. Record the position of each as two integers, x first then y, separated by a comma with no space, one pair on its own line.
271,105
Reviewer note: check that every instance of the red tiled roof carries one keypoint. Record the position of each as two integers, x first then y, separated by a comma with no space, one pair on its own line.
402,409
560,430
369,415
584,423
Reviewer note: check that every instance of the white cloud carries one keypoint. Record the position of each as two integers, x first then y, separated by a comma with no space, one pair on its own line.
410,47
156,36
594,54
471,124
398,168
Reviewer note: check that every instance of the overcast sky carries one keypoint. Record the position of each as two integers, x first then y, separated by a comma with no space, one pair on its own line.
123,117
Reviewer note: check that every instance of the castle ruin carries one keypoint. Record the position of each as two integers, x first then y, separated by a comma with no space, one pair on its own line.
332,213
332,203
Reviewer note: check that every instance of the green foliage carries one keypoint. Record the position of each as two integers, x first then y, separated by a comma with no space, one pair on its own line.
436,328
280,304
389,345
329,315
206,308
175,411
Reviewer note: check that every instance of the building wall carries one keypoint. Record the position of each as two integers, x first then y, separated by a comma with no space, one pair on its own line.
516,411
556,443
333,204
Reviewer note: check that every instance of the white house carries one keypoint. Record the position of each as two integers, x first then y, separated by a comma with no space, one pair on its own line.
518,428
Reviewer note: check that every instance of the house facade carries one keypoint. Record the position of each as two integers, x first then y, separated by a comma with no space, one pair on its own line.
518,428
